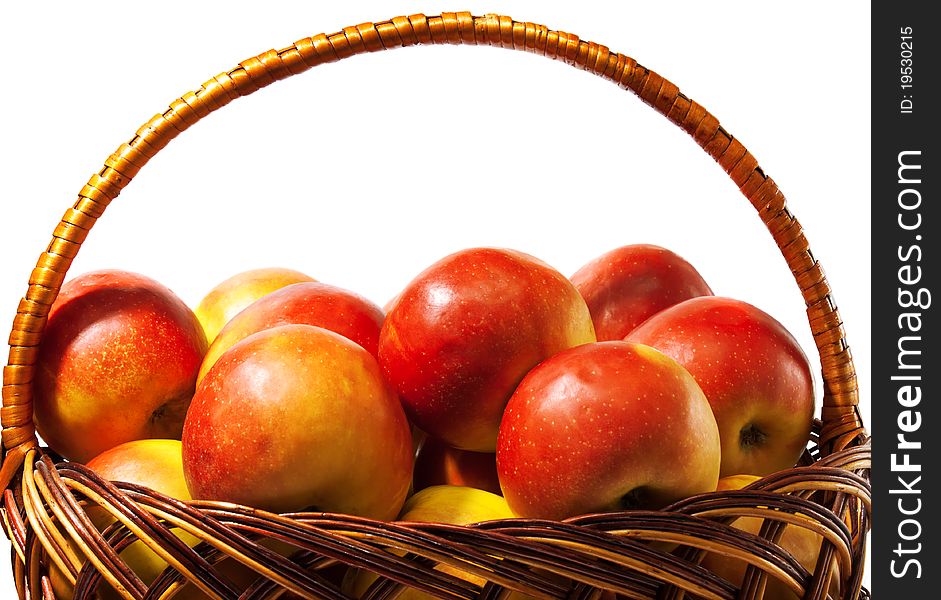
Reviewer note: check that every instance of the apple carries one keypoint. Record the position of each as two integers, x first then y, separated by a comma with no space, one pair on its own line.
229,297
736,482
603,427
753,372
802,543
308,303
458,505
117,362
626,286
156,464
455,504
298,417
436,463
460,337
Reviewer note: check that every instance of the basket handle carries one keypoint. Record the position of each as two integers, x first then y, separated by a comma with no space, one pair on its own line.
842,424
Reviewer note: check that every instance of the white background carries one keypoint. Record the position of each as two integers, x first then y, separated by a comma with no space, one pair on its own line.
364,172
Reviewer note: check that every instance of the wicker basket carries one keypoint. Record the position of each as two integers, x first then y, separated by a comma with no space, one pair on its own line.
638,554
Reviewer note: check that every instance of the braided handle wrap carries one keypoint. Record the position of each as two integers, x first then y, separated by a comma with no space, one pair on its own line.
842,424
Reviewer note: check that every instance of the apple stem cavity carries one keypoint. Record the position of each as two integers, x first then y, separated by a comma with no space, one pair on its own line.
166,420
751,437
158,414
636,498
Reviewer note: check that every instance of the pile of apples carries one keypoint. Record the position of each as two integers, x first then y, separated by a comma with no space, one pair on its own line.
491,386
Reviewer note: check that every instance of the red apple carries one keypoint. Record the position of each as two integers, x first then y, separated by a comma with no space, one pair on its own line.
298,417
439,464
461,336
606,426
626,286
229,297
753,372
117,362
309,303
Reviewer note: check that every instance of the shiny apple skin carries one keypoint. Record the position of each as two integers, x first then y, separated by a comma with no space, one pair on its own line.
628,285
751,369
460,337
231,296
308,303
437,463
298,417
117,362
603,427
153,463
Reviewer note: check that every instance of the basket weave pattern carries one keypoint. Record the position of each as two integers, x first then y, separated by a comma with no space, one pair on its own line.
45,501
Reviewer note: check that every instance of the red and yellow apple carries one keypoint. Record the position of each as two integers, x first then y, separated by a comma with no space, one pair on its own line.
753,372
229,297
606,426
298,417
308,303
801,542
460,337
117,362
437,463
628,285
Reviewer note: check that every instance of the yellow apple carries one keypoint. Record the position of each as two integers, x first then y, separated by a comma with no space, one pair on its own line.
154,463
736,482
802,543
458,505
235,293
